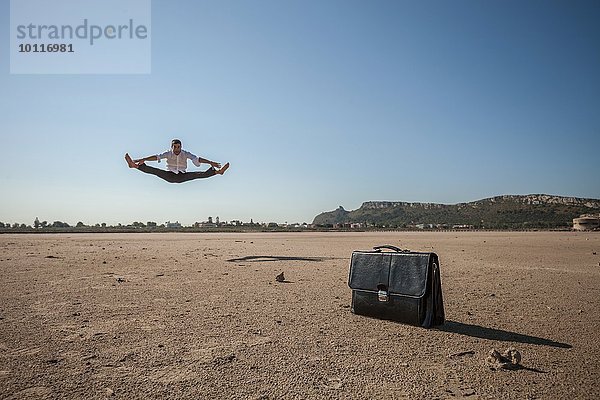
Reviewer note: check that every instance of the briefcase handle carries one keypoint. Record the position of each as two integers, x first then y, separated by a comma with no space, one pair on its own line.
390,247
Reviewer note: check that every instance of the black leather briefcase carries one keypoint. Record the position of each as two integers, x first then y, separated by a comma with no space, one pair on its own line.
400,285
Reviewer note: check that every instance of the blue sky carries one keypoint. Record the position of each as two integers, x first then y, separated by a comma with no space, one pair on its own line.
316,104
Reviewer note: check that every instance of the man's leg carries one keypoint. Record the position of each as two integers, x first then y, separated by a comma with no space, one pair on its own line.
166,175
161,173
189,176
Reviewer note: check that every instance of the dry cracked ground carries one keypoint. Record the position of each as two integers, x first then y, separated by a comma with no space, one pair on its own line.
194,316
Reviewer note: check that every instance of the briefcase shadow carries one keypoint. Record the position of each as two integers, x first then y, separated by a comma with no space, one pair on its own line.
497,334
276,258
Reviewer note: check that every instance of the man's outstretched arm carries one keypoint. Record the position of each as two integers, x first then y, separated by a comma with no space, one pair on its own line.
149,158
205,161
199,160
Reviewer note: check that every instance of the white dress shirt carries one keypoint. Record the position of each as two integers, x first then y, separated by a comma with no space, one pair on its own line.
178,163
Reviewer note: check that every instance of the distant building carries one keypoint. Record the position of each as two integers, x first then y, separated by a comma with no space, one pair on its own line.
587,222
173,224
206,224
462,226
424,226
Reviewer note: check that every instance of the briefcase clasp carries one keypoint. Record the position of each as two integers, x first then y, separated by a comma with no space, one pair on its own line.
382,295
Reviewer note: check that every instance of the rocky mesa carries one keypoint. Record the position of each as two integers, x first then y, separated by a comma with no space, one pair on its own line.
500,212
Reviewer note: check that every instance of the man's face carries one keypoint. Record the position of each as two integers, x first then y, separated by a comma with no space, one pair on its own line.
176,148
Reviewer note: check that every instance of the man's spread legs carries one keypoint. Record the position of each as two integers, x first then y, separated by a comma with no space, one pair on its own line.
173,177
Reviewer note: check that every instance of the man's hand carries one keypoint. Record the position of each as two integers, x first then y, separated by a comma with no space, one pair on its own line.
215,164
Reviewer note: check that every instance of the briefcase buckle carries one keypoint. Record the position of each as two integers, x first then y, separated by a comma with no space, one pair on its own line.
382,295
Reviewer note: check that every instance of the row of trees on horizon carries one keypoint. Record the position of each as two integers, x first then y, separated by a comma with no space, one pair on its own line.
150,225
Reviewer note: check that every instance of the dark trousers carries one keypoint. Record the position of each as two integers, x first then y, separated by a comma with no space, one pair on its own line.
172,177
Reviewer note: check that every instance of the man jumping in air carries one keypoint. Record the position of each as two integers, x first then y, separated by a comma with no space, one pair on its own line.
176,165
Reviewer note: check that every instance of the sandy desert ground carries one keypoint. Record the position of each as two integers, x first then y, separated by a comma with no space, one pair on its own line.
194,316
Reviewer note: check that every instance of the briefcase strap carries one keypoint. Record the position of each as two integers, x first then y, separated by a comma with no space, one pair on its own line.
390,247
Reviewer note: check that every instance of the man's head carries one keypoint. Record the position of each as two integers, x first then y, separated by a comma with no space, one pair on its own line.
176,146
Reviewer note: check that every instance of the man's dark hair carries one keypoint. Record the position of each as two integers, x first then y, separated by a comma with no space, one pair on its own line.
175,141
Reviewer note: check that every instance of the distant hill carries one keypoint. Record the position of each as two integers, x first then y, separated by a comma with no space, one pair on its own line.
500,212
